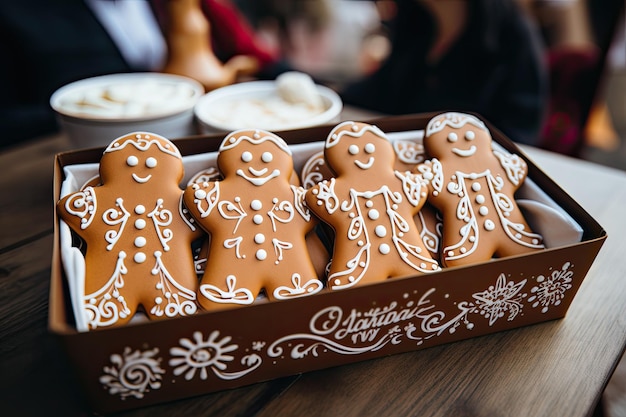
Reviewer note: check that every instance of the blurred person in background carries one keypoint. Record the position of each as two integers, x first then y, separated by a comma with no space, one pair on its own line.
482,56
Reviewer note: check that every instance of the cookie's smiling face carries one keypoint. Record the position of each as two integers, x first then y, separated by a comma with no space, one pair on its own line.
141,159
453,136
359,147
256,156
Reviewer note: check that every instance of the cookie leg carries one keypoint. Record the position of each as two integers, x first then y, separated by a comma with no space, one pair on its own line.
298,287
212,296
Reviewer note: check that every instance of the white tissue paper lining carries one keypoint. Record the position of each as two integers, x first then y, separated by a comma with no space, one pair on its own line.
542,213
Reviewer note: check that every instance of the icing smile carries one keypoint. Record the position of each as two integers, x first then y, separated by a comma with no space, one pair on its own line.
257,177
141,180
465,152
365,165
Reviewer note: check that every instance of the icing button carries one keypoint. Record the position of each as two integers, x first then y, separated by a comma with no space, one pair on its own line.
257,219
139,257
140,242
139,209
140,224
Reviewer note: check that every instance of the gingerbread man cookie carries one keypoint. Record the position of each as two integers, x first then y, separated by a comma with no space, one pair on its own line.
473,186
257,221
370,207
138,235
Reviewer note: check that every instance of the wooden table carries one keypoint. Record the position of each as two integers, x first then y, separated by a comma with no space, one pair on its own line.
557,368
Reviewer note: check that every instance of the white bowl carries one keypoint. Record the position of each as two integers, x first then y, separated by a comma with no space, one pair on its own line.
97,110
240,106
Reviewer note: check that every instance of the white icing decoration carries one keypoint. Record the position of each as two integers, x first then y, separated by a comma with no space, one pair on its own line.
246,156
261,254
384,249
140,241
140,209
162,217
483,210
336,135
369,148
452,137
282,212
258,177
267,157
139,257
144,143
358,265
133,373
132,161
465,152
232,294
353,149
256,205
257,219
480,199
373,214
82,204
454,120
503,206
260,137
115,217
181,301
470,135
140,224
151,162
364,165
380,231
141,180
106,305
312,286
199,355
259,238
235,243
513,165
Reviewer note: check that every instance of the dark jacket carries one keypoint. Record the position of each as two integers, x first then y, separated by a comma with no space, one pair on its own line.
495,69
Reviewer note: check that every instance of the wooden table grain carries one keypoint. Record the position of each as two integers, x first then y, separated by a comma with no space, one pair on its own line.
558,368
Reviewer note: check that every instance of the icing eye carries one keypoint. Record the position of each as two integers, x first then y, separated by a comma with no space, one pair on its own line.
470,135
370,148
151,162
132,161
353,149
452,137
246,156
267,157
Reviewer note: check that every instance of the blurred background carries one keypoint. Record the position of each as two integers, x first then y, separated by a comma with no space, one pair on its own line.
551,73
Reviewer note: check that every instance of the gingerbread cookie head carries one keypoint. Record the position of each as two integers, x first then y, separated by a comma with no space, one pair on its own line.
138,236
360,149
141,158
258,223
473,185
255,157
458,137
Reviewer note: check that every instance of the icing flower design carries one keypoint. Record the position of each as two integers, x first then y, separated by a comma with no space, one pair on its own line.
199,355
133,373
551,290
504,297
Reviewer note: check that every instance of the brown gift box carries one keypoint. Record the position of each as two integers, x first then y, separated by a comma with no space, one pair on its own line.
152,362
